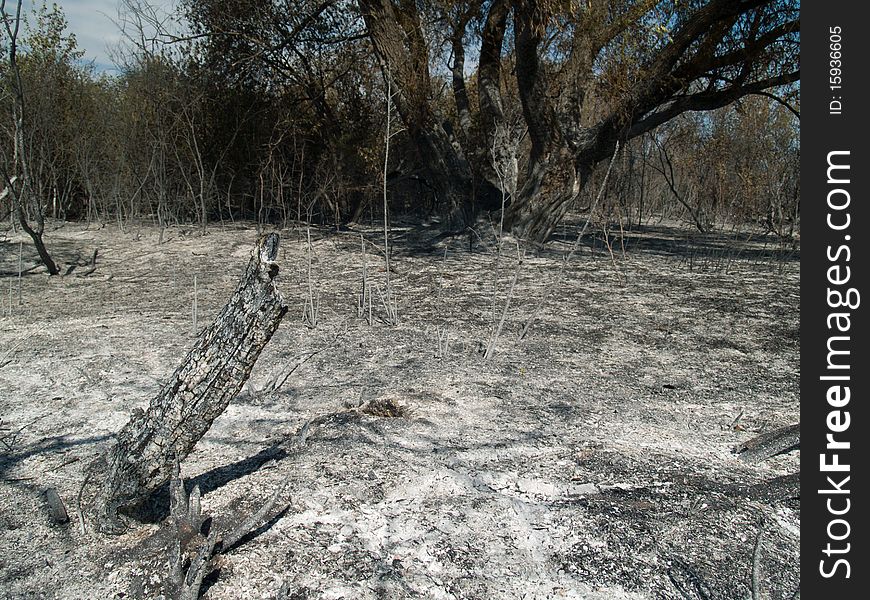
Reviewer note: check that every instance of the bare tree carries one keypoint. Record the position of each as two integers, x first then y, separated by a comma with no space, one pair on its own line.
16,172
665,166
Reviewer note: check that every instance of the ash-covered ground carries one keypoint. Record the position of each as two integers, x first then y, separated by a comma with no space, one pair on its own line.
589,458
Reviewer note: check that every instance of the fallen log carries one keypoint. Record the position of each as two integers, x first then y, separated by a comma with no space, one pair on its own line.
210,376
778,441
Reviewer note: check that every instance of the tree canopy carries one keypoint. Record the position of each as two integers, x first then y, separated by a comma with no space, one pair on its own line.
276,108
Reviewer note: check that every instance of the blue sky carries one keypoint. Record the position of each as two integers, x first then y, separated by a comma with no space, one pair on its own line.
94,24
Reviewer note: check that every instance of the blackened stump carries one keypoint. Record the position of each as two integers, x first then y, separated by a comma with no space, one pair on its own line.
211,375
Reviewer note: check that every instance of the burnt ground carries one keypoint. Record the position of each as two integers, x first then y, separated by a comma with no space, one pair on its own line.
589,459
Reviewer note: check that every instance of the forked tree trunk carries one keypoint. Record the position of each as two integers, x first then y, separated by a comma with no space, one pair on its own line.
545,198
211,375
36,235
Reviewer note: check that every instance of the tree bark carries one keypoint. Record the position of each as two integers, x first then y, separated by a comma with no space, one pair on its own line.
498,154
553,177
460,93
542,202
211,375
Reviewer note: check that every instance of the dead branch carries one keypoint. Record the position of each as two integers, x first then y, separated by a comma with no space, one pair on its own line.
778,441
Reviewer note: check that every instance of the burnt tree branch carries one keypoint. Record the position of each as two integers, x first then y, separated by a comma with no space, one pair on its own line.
771,443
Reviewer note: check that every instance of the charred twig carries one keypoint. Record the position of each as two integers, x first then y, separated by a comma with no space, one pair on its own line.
11,439
274,384
5,360
79,502
193,550
735,424
252,522
497,331
312,299
365,297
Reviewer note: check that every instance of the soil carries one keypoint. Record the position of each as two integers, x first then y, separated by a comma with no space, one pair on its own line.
589,458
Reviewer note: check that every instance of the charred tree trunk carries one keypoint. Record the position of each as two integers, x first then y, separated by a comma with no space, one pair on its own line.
397,36
778,441
457,71
553,177
498,165
211,375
